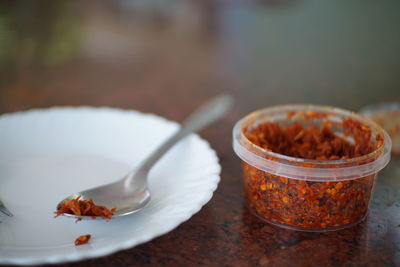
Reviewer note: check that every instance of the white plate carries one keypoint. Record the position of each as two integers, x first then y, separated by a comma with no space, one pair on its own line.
48,154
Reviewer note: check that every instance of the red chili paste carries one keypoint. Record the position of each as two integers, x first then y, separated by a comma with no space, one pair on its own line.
309,204
84,208
83,239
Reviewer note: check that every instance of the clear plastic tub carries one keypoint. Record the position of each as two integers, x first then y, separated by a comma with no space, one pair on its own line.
308,194
386,115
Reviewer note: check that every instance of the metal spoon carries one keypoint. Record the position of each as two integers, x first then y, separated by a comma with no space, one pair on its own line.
4,210
131,193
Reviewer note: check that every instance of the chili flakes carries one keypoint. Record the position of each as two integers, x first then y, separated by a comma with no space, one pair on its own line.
84,208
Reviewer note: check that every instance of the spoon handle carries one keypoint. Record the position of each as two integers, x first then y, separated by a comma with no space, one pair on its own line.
4,210
208,113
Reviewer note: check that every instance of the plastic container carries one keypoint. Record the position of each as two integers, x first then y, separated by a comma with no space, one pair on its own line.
386,115
308,194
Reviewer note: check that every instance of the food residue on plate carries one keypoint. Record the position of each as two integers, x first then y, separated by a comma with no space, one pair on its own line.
83,239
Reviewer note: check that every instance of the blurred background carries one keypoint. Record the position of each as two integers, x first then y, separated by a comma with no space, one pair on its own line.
165,56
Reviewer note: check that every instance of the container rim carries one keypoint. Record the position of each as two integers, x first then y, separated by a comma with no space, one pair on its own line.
287,165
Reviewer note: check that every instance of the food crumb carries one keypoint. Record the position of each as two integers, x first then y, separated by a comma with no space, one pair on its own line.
83,239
